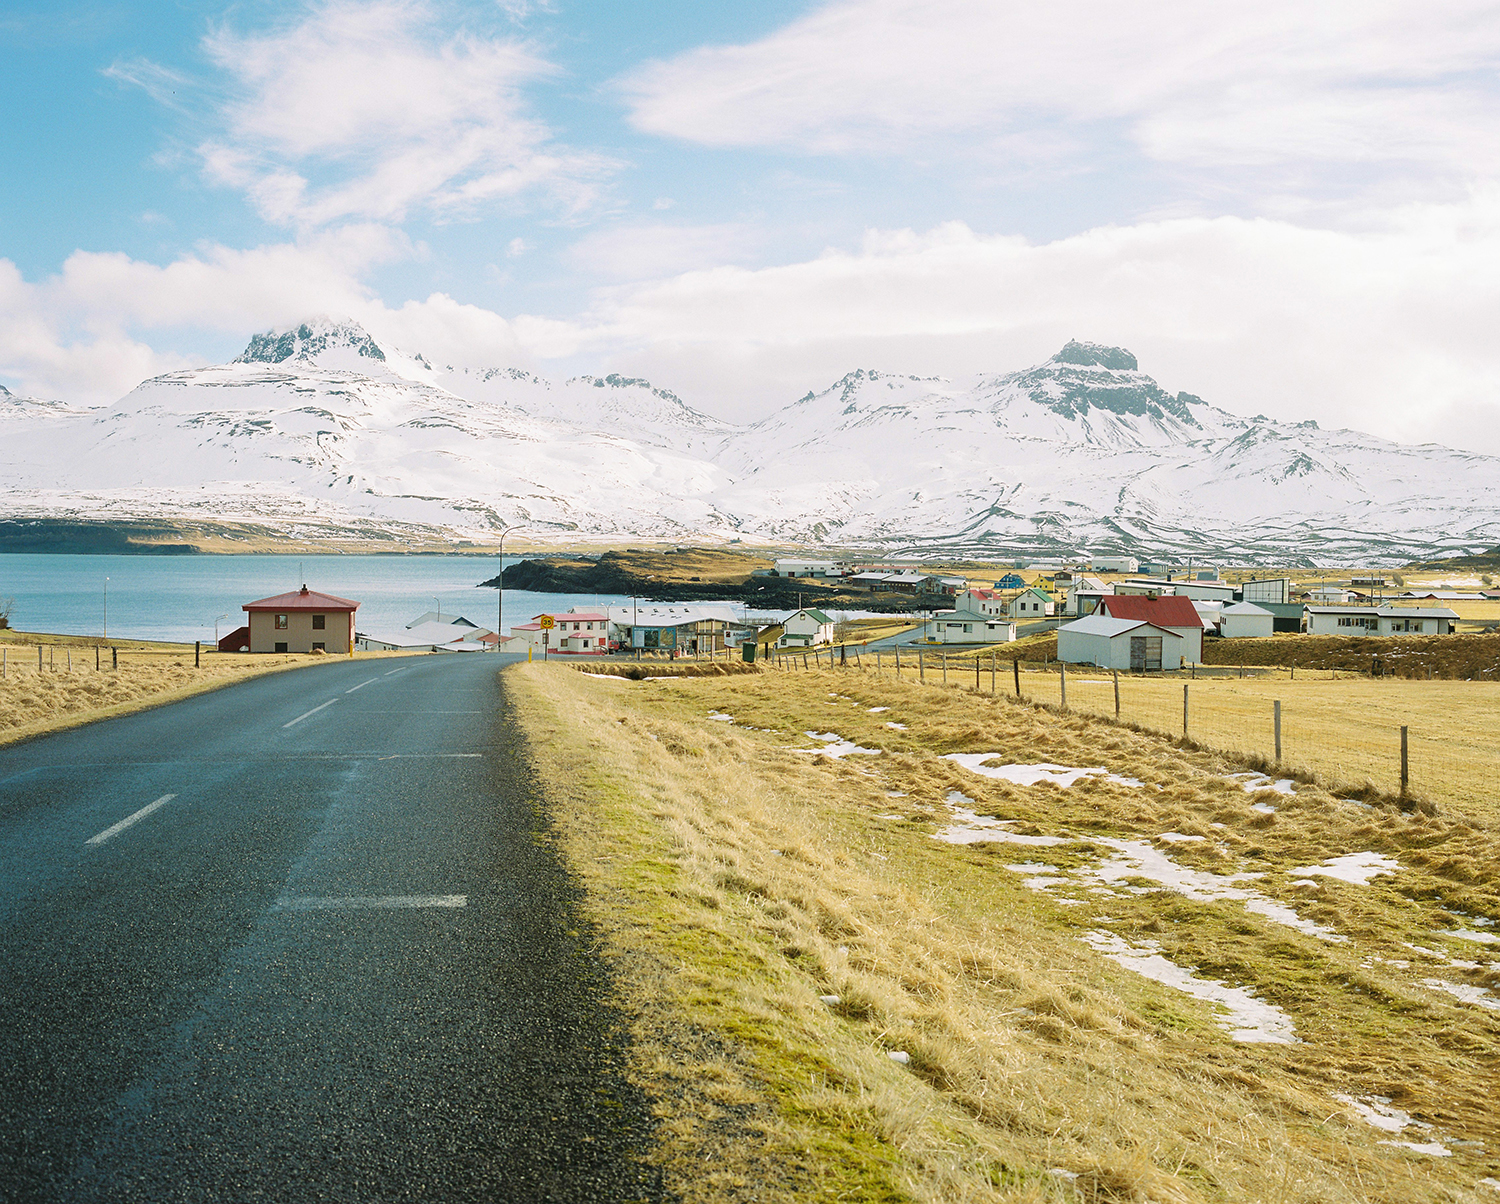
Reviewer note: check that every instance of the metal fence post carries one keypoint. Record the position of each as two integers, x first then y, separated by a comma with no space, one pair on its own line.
1405,777
1184,708
1116,674
1277,706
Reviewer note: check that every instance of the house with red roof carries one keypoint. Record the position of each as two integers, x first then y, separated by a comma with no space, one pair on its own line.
302,621
573,632
1171,612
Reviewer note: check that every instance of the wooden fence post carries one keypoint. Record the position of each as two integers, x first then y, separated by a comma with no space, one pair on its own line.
976,675
898,662
1405,777
1015,666
1116,673
96,657
1184,709
1062,681
922,665
38,658
114,657
1278,730
197,654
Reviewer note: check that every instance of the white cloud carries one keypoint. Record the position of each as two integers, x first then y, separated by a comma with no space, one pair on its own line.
1386,330
369,111
1343,92
653,250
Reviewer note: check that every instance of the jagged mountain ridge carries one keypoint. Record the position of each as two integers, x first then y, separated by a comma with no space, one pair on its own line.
324,427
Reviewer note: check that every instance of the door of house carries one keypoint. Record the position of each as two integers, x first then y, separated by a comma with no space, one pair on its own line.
1145,653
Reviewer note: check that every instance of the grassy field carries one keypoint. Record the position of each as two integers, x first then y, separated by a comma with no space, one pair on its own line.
1453,656
68,690
783,924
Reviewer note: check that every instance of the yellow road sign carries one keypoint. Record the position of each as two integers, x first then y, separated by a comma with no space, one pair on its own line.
548,622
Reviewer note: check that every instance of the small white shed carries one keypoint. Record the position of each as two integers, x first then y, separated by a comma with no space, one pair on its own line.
1120,644
1245,619
966,627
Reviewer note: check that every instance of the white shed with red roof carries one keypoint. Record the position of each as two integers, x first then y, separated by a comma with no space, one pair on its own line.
302,621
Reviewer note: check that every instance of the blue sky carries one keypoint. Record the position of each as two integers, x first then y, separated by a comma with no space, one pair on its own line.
1290,211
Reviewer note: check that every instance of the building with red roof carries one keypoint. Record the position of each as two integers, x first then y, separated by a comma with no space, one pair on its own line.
1172,612
302,621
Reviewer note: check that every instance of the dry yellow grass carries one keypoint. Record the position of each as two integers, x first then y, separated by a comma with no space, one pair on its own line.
734,882
1345,730
68,690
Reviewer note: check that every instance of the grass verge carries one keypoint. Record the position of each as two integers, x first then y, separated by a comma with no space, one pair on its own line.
781,922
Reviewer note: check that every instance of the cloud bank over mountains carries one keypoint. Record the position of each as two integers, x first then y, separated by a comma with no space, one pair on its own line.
1296,210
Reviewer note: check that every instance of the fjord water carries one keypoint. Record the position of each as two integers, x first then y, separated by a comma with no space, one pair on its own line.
179,597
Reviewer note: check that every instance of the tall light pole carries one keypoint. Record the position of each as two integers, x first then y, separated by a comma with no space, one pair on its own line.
500,590
217,621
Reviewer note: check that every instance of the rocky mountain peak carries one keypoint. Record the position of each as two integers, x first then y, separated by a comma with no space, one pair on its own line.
1096,355
309,341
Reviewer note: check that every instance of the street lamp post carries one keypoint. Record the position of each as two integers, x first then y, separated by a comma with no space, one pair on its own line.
500,589
217,621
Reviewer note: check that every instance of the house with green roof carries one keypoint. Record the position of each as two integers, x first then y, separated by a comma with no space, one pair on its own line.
806,629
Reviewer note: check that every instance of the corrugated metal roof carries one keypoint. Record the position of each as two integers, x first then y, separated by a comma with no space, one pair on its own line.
1170,611
303,599
1097,624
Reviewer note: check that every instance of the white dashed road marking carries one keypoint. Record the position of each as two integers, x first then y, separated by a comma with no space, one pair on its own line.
361,685
314,711
130,819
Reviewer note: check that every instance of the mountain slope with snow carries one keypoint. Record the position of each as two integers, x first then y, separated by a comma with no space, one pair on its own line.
322,428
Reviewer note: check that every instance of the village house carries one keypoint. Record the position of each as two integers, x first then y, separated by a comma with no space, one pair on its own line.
1083,595
980,602
1011,581
1200,591
1130,644
1245,619
968,627
787,567
806,629
1380,620
1114,564
302,621
572,633
1031,604
1175,614
691,629
431,632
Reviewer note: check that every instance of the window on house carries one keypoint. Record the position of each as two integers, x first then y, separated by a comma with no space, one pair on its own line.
280,647
320,647
318,622
280,622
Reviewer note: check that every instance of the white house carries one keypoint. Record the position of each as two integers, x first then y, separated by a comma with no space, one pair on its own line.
1379,620
1084,594
1119,644
1031,604
806,629
787,567
571,632
1115,564
1177,615
1245,619
1331,595
981,602
1199,591
967,627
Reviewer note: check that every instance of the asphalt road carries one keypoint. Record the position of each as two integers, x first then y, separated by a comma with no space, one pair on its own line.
328,957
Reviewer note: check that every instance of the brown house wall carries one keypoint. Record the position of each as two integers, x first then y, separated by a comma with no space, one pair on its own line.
299,635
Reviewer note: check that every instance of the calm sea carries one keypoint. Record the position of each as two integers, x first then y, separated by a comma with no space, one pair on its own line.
180,597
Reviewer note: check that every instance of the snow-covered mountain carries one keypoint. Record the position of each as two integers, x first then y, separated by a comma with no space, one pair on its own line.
324,430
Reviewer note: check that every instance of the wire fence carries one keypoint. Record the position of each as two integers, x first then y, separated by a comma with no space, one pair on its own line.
1437,740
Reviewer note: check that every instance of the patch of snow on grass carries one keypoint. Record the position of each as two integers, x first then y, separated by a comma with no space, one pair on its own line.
1357,868
1263,808
1375,1110
1178,837
975,829
1479,938
1138,859
899,727
878,710
1436,1148
1030,775
836,746
1259,781
1249,1019
1478,996
721,717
